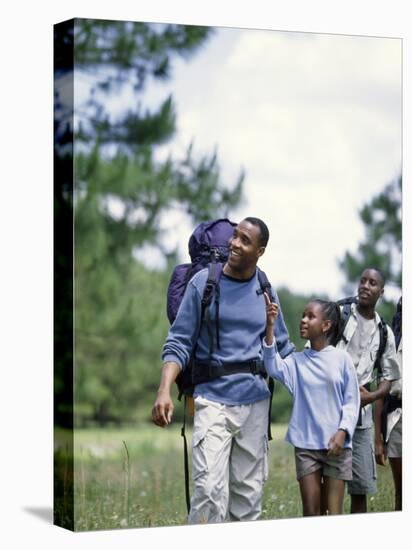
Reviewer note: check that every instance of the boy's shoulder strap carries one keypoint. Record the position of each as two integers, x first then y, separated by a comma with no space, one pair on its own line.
383,340
346,304
383,327
345,312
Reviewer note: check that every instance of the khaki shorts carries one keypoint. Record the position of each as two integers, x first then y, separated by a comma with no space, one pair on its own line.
336,467
395,441
363,463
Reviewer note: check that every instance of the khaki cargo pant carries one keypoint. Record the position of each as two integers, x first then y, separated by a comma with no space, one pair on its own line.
230,462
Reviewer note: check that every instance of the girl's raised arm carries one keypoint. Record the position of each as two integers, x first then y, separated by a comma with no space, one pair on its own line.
272,312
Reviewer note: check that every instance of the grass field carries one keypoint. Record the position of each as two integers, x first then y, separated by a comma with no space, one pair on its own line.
133,478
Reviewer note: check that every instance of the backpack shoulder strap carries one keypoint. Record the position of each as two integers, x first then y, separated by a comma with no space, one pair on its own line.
383,340
346,304
211,292
345,313
265,285
212,284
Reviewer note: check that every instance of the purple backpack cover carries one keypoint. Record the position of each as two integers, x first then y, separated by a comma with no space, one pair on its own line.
208,243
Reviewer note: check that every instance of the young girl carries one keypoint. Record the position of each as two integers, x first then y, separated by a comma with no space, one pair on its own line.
324,386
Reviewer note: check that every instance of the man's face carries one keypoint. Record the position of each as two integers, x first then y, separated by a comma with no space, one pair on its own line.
370,288
245,247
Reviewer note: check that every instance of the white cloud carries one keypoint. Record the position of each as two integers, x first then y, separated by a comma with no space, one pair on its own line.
314,120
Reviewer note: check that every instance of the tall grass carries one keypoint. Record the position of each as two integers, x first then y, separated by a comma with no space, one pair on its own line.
135,478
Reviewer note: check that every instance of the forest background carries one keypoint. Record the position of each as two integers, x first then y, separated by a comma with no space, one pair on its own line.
122,192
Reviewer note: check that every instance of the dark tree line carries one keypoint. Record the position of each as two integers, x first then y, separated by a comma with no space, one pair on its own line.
118,196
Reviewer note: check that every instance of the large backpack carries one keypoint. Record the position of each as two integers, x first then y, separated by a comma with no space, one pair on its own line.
208,247
208,243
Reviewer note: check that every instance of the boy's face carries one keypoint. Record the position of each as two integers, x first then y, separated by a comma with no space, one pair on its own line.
370,288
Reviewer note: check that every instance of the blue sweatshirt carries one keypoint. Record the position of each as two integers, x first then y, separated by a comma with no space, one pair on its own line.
242,322
325,394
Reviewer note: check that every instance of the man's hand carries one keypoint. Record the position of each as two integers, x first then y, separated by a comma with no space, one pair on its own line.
380,451
380,448
162,411
366,397
336,443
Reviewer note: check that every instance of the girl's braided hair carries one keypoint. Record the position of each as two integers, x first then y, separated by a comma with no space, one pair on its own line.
331,312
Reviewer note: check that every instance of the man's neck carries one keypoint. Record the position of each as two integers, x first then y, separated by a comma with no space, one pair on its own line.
242,275
367,312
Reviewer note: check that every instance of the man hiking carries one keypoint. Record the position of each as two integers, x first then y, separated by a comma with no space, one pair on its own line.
230,443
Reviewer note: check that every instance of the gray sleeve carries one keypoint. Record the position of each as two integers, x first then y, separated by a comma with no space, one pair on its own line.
389,362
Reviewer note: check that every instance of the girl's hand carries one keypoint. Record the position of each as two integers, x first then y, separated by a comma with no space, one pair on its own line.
336,443
272,311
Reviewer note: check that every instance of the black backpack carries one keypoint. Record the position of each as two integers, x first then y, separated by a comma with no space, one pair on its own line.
391,402
397,323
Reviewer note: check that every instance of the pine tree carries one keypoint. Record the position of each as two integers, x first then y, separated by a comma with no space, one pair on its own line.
382,245
120,194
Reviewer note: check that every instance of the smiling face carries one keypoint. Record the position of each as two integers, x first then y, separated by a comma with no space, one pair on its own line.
245,248
370,288
313,324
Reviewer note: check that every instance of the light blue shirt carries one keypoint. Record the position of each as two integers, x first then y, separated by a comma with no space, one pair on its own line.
325,394
242,323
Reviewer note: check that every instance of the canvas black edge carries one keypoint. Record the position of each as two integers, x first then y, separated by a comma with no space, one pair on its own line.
63,322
